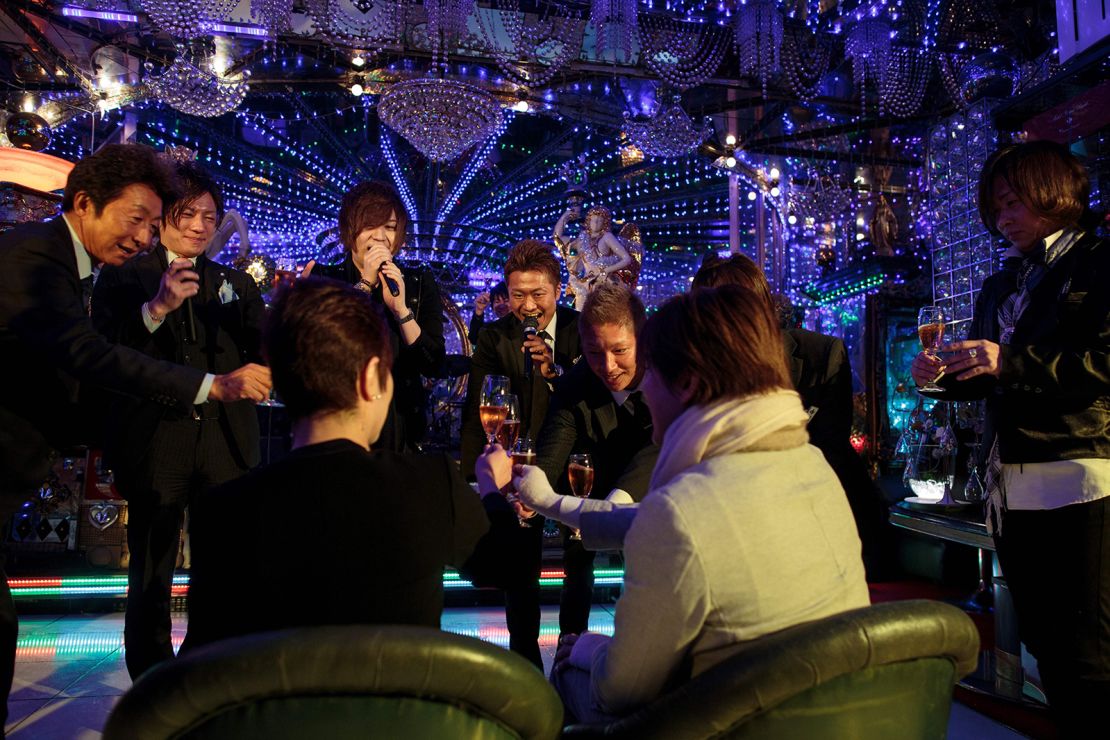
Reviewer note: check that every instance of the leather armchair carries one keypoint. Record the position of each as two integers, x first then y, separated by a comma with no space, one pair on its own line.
339,682
883,671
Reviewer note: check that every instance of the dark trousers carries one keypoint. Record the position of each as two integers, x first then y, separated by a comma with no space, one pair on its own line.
522,600
1057,566
186,457
578,587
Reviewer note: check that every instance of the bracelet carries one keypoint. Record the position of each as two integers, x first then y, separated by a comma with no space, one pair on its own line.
406,318
365,286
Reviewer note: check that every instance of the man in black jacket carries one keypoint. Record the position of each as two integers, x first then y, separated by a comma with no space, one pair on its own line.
113,200
175,304
599,410
532,276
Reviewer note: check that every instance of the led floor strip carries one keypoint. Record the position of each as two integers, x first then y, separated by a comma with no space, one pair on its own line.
116,586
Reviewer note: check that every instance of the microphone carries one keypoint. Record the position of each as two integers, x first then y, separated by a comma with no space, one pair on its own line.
531,328
390,283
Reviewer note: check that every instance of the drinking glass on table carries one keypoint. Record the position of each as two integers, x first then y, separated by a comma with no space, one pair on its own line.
493,405
510,427
580,472
523,453
930,330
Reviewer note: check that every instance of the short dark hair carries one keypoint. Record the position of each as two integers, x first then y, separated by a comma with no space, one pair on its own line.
533,255
317,338
501,289
367,206
612,303
717,342
193,181
1045,176
736,269
105,174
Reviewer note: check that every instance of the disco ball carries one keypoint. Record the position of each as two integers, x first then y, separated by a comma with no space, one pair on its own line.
28,131
989,75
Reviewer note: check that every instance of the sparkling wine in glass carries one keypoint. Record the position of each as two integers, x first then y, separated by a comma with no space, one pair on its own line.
580,472
510,427
493,405
930,330
523,453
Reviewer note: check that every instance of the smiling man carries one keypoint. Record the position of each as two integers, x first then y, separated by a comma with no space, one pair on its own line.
173,303
112,204
598,409
532,278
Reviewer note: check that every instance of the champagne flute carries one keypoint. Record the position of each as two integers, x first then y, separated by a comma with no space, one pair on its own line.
930,330
493,405
580,472
510,428
523,453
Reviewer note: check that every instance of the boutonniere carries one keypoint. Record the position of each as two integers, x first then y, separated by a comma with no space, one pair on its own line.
227,293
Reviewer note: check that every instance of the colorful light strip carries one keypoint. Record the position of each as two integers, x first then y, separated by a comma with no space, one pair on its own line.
101,15
116,586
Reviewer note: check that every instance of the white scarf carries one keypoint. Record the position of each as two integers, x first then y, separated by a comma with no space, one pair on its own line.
703,432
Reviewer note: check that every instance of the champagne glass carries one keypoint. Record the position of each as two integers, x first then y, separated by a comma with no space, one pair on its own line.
974,491
510,428
523,453
580,471
493,405
930,330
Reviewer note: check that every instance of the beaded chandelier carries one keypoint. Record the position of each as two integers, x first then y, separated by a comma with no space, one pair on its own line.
669,133
441,118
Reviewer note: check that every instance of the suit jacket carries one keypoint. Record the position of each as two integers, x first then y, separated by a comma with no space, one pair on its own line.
822,376
407,421
499,353
229,336
49,346
584,417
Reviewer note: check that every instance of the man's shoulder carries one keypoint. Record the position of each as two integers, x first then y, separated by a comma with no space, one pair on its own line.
40,236
811,342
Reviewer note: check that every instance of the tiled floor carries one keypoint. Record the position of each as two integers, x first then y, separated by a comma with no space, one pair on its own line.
70,671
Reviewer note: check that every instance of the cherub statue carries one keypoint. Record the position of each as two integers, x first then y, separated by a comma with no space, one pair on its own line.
596,253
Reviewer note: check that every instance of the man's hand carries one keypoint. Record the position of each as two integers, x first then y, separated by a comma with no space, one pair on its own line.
926,367
532,487
481,303
395,303
562,653
973,357
493,469
179,281
251,382
543,359
307,271
372,263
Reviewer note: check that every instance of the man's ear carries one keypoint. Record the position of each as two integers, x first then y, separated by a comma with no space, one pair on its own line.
369,386
83,205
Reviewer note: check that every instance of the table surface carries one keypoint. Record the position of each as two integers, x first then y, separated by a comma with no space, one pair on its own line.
963,524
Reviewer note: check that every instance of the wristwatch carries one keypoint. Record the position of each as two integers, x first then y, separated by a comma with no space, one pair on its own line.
406,318
557,369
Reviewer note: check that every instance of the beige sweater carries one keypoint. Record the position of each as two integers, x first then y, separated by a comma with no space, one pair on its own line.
735,547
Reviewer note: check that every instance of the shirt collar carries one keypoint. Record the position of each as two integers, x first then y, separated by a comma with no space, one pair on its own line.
84,261
171,256
550,328
1051,239
621,396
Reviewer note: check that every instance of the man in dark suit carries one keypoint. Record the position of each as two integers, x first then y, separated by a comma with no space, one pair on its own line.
599,410
822,376
175,304
112,202
532,276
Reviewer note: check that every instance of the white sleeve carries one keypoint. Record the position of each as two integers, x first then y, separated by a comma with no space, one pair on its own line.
663,609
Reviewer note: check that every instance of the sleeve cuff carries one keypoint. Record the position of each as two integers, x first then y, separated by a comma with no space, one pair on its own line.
205,387
152,325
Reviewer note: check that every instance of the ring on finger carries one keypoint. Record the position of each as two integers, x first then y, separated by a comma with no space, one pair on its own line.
973,352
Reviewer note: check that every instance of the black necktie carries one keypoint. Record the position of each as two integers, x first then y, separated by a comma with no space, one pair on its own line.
635,405
86,291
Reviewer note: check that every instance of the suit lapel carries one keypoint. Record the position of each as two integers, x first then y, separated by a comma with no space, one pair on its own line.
796,365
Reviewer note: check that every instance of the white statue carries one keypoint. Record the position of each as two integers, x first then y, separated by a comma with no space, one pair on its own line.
596,254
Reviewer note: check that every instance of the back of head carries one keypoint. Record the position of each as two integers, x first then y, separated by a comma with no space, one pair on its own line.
193,182
318,338
717,343
105,174
368,205
612,303
736,269
1045,176
532,255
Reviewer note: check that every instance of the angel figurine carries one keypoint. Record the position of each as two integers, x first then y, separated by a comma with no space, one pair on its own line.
597,254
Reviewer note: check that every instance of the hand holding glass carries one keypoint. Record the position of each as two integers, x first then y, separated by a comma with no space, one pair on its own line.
930,330
580,472
493,405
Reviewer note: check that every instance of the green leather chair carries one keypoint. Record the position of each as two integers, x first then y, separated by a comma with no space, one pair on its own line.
885,671
324,683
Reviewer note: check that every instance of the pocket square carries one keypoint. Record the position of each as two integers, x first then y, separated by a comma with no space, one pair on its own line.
227,293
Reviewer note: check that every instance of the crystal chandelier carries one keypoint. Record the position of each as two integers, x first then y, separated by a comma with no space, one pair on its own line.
805,60
359,24
187,19
441,118
544,45
759,39
273,15
614,23
902,90
869,47
669,133
683,55
195,91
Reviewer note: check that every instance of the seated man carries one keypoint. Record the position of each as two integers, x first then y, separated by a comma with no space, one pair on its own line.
599,410
496,298
370,531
